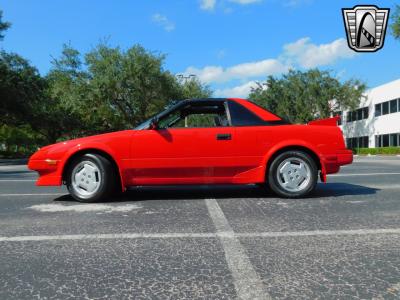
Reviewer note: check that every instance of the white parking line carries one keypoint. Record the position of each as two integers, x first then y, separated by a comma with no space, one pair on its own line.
319,233
383,186
361,174
110,236
226,234
248,284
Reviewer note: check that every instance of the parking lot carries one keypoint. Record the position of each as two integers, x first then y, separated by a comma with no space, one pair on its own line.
204,242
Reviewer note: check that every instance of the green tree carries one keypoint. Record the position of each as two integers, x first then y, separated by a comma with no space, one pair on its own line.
3,25
25,100
67,89
395,26
22,138
110,89
21,89
127,87
304,96
107,89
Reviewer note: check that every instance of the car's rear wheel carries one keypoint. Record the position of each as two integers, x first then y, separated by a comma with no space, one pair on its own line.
90,178
293,174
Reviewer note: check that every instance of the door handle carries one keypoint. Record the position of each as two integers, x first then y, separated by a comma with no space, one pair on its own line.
224,136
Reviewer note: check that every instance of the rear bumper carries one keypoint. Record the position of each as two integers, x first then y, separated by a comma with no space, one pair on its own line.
333,162
345,157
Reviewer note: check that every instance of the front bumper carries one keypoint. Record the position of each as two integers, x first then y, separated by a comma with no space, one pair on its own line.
48,170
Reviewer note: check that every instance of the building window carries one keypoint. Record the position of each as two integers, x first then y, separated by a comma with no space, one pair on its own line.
357,142
393,106
348,118
354,115
378,141
385,108
354,142
378,110
363,142
365,112
394,140
385,140
388,107
357,115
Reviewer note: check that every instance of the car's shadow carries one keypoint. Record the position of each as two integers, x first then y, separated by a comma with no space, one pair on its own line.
337,189
228,192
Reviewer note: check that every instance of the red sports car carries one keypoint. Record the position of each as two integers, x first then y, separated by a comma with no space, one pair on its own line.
200,141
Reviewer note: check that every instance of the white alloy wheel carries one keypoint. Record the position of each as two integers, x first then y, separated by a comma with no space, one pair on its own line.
293,174
86,179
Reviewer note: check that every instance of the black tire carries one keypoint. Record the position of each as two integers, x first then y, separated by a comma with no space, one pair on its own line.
275,183
108,179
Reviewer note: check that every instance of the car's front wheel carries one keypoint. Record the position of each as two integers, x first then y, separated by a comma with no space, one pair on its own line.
293,174
90,178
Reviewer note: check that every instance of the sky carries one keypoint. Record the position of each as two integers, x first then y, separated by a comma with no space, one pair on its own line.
228,44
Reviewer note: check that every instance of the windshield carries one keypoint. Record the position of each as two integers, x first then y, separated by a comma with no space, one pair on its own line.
146,124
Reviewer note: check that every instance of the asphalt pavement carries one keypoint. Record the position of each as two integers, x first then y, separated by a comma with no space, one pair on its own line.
204,242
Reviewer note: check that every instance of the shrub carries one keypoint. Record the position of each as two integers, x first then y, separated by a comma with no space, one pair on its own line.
377,151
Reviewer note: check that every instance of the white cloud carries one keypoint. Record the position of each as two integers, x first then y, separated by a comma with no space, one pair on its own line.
294,3
301,54
240,91
163,21
206,74
244,2
257,68
207,4
210,4
308,55
265,67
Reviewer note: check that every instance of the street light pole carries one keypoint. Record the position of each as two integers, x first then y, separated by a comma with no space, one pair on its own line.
183,79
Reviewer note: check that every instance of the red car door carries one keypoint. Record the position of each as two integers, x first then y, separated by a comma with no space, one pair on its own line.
178,154
254,138
182,155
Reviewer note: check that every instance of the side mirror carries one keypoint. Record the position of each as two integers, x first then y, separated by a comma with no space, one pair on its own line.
154,124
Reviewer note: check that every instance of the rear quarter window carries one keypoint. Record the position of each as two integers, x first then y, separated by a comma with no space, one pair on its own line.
241,116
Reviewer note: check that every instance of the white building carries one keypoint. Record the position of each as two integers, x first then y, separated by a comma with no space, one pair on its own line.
376,123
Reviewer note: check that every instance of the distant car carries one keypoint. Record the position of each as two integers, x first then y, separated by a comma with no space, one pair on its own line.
200,141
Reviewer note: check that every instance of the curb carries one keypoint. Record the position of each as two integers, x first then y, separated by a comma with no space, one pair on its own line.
13,161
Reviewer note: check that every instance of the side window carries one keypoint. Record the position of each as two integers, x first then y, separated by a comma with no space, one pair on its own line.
241,116
206,120
170,120
196,115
